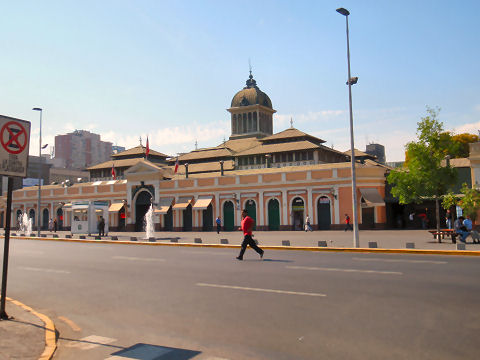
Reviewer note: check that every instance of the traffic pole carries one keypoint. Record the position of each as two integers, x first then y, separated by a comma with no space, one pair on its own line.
6,248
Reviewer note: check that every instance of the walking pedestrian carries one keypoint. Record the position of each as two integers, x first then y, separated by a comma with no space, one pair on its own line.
448,219
348,226
55,225
219,224
307,224
101,227
247,227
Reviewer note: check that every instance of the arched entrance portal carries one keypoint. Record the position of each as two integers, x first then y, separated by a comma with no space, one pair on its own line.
31,215
207,216
323,211
59,219
168,220
187,218
228,216
143,202
273,214
298,209
252,211
45,219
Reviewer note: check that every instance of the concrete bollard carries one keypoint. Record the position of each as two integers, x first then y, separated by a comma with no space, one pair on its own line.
152,239
461,246
43,235
82,237
410,245
32,235
322,243
372,244
68,236
55,235
98,238
285,242
223,241
22,234
174,240
114,238
133,238
198,241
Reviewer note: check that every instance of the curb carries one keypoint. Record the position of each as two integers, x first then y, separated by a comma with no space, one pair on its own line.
270,247
50,332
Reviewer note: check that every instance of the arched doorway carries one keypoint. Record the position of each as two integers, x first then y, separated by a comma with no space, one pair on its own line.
187,218
207,216
251,207
273,214
31,215
323,213
60,218
143,202
168,220
18,220
45,219
228,216
298,210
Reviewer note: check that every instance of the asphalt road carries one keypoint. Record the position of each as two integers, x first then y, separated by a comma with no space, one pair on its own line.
112,301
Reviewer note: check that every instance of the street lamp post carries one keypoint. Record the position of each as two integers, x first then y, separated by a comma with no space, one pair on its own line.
351,81
39,172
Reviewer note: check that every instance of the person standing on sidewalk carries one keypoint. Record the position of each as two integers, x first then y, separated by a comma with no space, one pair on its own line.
219,224
348,226
247,227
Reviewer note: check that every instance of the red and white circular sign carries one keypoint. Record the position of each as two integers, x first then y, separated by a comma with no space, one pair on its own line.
13,137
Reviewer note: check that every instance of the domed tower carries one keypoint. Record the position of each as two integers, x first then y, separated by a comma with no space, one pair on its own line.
252,112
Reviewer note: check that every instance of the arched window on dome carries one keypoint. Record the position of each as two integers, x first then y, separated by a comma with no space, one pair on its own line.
255,128
234,124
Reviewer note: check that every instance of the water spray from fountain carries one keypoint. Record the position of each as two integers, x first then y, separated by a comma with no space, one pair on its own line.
25,223
148,221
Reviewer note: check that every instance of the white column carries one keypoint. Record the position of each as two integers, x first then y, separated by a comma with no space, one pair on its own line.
284,208
238,213
262,211
337,208
196,215
310,206
217,204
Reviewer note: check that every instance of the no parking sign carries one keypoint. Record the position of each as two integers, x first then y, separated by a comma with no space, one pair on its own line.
14,146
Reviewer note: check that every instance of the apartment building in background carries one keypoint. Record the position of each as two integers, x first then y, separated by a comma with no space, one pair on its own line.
80,149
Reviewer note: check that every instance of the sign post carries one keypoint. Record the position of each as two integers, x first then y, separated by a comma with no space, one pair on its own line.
14,145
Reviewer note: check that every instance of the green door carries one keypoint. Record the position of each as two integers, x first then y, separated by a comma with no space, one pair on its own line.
252,212
228,216
273,215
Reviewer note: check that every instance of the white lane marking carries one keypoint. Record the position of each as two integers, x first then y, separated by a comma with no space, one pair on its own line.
90,342
133,258
44,270
345,270
261,290
401,260
206,252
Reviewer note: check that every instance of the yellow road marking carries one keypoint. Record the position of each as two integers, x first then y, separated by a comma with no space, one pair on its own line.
70,323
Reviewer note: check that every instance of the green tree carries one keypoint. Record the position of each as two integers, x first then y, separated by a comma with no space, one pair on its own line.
423,176
470,203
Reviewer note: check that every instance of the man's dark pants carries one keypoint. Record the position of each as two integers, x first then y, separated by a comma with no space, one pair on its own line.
219,227
247,240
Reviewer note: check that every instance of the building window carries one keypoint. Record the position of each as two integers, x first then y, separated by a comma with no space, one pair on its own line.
310,155
244,129
290,156
284,157
251,160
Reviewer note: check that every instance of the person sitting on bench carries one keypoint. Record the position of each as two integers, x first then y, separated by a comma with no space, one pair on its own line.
461,227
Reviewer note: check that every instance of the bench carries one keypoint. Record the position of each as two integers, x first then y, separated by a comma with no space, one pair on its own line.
444,233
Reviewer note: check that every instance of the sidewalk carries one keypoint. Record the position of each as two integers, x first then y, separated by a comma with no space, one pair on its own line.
27,335
385,239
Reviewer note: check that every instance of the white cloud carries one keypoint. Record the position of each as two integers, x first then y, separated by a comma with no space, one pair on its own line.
471,128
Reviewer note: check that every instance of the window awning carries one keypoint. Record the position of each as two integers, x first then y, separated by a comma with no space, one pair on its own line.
115,207
372,197
182,203
202,203
164,205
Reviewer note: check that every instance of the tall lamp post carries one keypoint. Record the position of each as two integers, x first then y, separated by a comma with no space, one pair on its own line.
39,172
351,81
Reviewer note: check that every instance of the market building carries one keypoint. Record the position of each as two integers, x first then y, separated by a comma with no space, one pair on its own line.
280,178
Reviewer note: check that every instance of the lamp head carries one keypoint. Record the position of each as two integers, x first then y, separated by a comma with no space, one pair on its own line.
343,11
37,109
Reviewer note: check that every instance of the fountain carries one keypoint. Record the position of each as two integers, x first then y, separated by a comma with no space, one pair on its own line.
25,224
148,222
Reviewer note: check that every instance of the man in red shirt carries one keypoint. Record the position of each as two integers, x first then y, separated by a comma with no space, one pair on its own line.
247,226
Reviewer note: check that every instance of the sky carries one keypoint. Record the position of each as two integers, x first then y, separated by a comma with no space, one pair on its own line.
169,69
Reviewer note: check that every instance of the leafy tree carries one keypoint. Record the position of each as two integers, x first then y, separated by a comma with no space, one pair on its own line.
470,203
456,145
423,176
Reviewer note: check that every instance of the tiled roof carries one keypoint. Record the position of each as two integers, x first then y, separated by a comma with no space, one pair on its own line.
282,147
290,133
207,153
206,166
138,150
119,163
237,145
359,153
